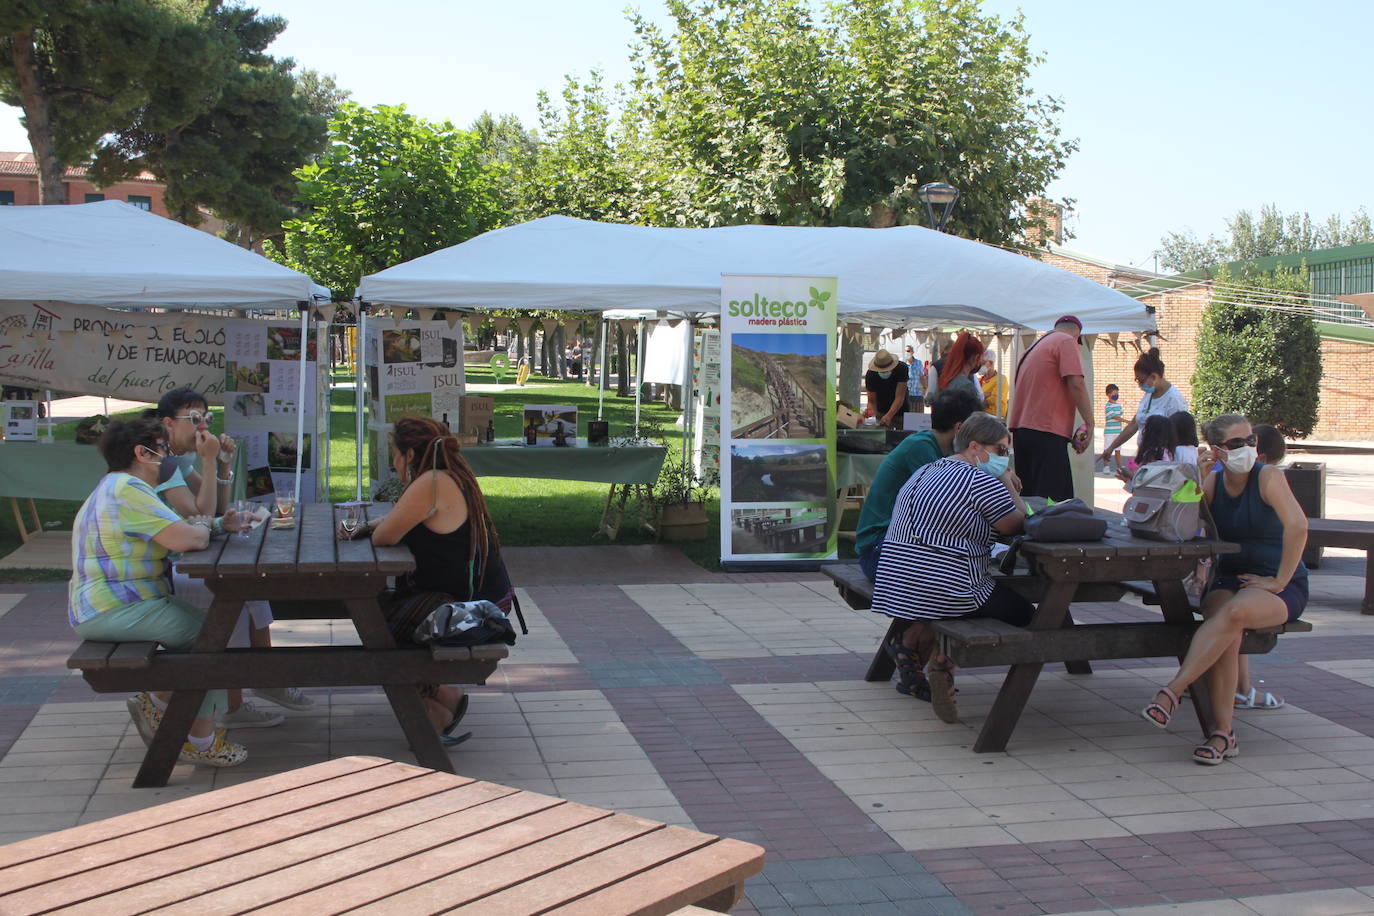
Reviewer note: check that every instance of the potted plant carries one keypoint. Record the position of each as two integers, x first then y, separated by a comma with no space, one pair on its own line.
680,495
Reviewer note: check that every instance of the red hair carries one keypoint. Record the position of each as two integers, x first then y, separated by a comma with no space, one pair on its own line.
963,357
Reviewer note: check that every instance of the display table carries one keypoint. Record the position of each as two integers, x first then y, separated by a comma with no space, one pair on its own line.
61,470
855,470
620,464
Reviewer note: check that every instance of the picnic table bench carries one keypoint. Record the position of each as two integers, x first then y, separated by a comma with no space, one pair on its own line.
322,577
366,835
1351,534
1069,571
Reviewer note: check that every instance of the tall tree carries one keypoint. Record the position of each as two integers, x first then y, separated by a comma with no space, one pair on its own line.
1259,353
1271,233
759,112
389,187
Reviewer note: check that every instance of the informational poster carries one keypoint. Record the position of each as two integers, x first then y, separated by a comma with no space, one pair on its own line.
550,424
21,420
777,382
706,384
415,369
261,384
139,356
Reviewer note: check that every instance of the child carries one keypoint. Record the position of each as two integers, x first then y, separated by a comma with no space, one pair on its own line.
1157,443
1269,444
1112,427
1185,433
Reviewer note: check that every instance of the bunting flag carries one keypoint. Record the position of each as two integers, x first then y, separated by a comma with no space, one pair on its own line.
572,327
627,326
426,315
1114,338
674,322
524,323
452,318
500,324
549,325
325,313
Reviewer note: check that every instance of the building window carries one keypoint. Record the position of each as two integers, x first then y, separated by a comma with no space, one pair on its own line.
6,198
143,203
94,198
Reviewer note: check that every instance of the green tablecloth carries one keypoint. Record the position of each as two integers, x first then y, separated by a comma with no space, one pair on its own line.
855,470
637,464
62,470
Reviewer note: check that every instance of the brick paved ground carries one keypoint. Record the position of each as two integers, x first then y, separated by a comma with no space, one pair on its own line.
736,705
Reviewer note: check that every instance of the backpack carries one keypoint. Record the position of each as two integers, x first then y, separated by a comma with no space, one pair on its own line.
1166,502
1070,520
465,623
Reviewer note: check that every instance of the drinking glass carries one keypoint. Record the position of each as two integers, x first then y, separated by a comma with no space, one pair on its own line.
247,511
352,518
286,502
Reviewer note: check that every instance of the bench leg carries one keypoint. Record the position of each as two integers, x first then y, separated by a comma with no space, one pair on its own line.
722,901
882,666
1006,709
1076,667
171,735
1367,606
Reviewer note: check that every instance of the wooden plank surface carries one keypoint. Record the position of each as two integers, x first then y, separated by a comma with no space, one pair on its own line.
280,548
318,537
132,654
355,555
675,884
390,560
90,654
200,563
240,556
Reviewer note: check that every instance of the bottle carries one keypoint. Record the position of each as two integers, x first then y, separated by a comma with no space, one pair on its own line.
531,435
560,438
491,431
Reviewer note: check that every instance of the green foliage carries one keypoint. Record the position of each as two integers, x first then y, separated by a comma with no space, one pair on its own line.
389,188
1264,362
756,111
1270,234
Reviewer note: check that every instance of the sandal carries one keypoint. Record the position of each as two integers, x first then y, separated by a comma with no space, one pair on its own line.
911,680
1255,700
1157,715
1208,754
457,716
942,691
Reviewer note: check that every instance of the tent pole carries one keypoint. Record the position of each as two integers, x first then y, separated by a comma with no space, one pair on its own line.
639,371
602,379
687,424
359,427
300,396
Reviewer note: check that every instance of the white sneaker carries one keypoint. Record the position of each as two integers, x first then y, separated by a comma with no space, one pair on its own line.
249,716
286,697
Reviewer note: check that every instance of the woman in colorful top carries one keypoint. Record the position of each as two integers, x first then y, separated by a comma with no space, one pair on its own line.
934,559
1160,399
442,517
119,588
1264,585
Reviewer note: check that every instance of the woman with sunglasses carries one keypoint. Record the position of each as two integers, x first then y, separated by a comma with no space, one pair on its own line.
1264,585
934,561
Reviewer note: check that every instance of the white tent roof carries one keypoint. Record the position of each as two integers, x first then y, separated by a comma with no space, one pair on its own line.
904,276
111,253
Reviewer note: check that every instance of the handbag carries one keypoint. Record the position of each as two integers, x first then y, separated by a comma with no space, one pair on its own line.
1070,520
1165,503
465,623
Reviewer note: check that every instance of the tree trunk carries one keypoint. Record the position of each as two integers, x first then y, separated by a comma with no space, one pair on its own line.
37,120
560,365
851,372
531,350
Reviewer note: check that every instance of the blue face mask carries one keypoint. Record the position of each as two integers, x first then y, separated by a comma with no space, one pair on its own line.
995,466
885,374
1148,389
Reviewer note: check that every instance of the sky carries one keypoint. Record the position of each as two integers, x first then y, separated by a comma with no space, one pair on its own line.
1185,112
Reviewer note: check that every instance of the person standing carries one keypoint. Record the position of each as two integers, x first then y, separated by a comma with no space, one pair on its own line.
991,380
885,384
1049,389
1160,398
915,383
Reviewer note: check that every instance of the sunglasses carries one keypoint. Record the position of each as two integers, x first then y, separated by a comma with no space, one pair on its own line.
1238,442
197,418
158,449
1002,450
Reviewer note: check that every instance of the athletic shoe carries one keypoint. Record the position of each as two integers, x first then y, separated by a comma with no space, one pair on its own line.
249,716
147,717
287,697
220,753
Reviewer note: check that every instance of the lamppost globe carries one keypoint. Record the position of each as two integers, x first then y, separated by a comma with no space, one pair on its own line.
938,194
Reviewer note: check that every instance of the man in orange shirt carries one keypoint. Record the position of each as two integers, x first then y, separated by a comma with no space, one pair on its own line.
1049,388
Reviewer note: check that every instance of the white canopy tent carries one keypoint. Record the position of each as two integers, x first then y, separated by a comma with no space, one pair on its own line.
117,255
903,276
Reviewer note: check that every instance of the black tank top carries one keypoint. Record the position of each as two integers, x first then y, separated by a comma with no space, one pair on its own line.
441,565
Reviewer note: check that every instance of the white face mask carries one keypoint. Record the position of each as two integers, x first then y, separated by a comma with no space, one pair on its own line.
1240,460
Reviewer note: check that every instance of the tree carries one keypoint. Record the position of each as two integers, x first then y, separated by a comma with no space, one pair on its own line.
757,112
389,187
1270,234
1259,353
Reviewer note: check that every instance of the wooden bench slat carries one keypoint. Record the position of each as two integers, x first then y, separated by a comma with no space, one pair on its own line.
280,548
717,870
239,557
391,560
202,562
982,632
132,655
355,850
355,554
91,655
1094,641
318,537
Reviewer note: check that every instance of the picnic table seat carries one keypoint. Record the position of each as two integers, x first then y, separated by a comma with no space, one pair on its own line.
1350,534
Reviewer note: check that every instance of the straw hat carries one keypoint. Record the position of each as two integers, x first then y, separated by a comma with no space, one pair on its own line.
882,361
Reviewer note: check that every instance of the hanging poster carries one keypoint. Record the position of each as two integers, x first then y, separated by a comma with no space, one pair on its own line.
129,354
414,368
706,383
262,375
777,383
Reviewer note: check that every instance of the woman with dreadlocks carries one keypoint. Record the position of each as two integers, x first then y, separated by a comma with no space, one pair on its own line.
442,517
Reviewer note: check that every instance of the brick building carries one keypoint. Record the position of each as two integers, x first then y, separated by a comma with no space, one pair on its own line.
19,186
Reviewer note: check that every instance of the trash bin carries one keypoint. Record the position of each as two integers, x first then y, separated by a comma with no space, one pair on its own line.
1307,480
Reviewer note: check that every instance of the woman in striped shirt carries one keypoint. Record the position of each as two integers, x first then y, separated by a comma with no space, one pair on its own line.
934,562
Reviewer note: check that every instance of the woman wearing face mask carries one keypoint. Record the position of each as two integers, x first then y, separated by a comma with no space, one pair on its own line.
934,559
1159,399
1262,586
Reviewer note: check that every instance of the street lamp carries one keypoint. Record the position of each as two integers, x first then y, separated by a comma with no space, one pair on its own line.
938,194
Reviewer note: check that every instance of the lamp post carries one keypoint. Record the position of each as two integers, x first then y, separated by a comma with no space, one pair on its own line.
938,194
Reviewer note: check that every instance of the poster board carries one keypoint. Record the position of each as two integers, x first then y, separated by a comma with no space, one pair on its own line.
21,420
706,384
778,336
261,385
413,368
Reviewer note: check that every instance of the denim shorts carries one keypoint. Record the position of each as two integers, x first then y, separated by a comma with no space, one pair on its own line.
1294,594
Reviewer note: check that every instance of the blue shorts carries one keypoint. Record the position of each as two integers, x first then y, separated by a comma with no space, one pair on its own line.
1294,594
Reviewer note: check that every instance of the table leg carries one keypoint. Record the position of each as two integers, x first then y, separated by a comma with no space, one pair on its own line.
882,666
1367,606
1176,608
405,699
1080,666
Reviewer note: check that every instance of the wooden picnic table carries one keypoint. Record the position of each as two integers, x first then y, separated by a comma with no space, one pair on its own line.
366,835
321,577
